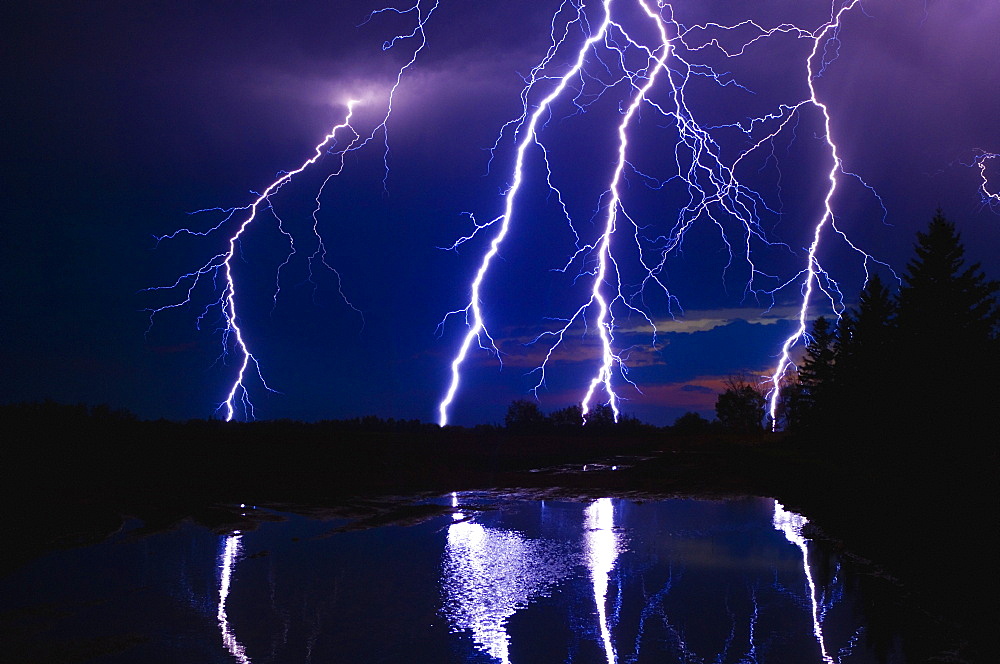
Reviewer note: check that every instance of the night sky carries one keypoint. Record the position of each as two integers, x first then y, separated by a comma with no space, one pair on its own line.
121,118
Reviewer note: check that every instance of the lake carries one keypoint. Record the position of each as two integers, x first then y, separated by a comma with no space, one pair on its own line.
477,577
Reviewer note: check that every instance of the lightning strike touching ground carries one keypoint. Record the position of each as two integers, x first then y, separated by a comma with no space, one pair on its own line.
477,329
220,266
605,319
813,272
715,194
669,170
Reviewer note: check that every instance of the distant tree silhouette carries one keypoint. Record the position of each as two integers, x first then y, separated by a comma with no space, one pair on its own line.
524,415
691,423
601,416
740,408
568,417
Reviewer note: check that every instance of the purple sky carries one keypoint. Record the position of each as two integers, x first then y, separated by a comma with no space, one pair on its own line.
123,117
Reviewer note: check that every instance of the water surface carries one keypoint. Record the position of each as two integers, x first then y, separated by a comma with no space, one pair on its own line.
492,579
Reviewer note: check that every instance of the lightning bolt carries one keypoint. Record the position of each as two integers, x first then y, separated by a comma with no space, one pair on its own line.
476,326
715,194
605,318
813,271
641,56
990,198
220,266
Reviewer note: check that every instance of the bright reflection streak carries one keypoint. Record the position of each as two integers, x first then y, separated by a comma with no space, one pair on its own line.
791,525
489,574
602,552
230,554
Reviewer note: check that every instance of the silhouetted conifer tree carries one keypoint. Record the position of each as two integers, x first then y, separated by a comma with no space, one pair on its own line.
942,299
947,355
817,379
866,338
923,362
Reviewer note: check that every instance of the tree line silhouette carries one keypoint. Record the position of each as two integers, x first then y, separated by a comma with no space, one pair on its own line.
922,361
892,422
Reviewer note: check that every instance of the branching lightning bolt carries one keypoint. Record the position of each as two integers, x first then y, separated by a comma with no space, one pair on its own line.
813,271
715,194
990,198
605,318
641,56
477,328
220,266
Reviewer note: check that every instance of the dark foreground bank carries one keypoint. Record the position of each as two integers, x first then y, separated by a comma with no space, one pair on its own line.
927,521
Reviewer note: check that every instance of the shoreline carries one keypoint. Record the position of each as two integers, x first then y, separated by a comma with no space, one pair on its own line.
917,527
